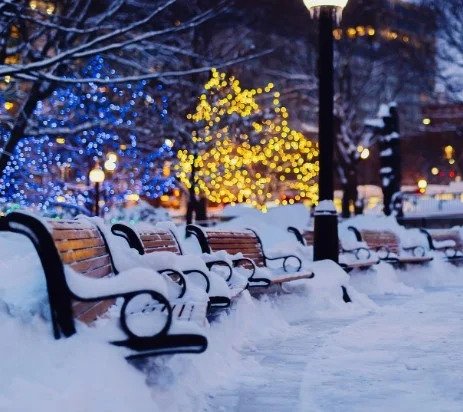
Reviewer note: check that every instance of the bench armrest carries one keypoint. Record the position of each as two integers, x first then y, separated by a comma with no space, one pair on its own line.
202,275
285,260
451,251
357,251
128,285
417,250
128,281
221,263
176,277
251,279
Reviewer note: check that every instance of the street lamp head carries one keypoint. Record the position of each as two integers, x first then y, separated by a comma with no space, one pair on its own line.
314,6
97,175
112,157
422,184
110,166
310,4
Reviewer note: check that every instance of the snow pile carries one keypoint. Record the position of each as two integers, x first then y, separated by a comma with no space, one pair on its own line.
382,279
141,212
23,289
437,274
83,373
324,294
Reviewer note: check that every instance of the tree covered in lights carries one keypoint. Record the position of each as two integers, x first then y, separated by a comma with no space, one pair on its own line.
84,124
243,149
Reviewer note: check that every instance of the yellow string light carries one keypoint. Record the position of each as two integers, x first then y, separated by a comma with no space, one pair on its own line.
253,161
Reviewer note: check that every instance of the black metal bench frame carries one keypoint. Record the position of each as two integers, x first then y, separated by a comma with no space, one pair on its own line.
60,295
356,251
134,242
204,244
386,255
202,239
452,254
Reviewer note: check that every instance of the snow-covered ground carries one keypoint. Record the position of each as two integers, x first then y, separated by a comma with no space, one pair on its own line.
398,346
404,356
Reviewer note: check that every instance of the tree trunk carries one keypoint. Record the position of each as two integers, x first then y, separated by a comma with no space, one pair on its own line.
19,128
349,198
191,207
201,209
345,212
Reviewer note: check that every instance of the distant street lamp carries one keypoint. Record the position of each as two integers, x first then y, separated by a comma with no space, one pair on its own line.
97,176
111,162
326,242
422,185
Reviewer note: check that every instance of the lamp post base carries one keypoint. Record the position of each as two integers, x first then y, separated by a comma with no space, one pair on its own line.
326,241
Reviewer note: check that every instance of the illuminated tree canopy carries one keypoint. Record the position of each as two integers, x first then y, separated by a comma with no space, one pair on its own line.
52,167
244,149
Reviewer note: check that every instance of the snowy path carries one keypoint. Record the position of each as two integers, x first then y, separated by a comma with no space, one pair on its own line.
406,356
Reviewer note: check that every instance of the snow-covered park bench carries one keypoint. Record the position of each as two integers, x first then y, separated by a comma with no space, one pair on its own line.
248,246
155,240
354,257
448,241
83,285
388,246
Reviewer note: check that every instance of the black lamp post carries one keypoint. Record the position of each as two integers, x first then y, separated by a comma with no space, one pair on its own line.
326,243
97,176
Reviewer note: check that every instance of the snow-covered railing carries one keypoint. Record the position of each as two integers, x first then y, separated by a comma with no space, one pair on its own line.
414,204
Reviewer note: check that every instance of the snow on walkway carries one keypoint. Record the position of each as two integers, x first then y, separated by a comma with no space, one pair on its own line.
405,356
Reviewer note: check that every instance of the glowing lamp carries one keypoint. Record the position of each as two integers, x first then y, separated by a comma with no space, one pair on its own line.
112,157
365,154
97,175
109,165
422,184
426,121
310,4
132,197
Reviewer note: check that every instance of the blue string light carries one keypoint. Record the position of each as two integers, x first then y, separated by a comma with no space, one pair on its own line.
53,168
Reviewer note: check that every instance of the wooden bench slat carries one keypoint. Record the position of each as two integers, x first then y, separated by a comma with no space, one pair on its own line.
69,234
227,241
84,266
413,259
156,236
166,249
159,243
291,278
219,236
88,312
98,272
69,224
236,249
82,254
76,244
